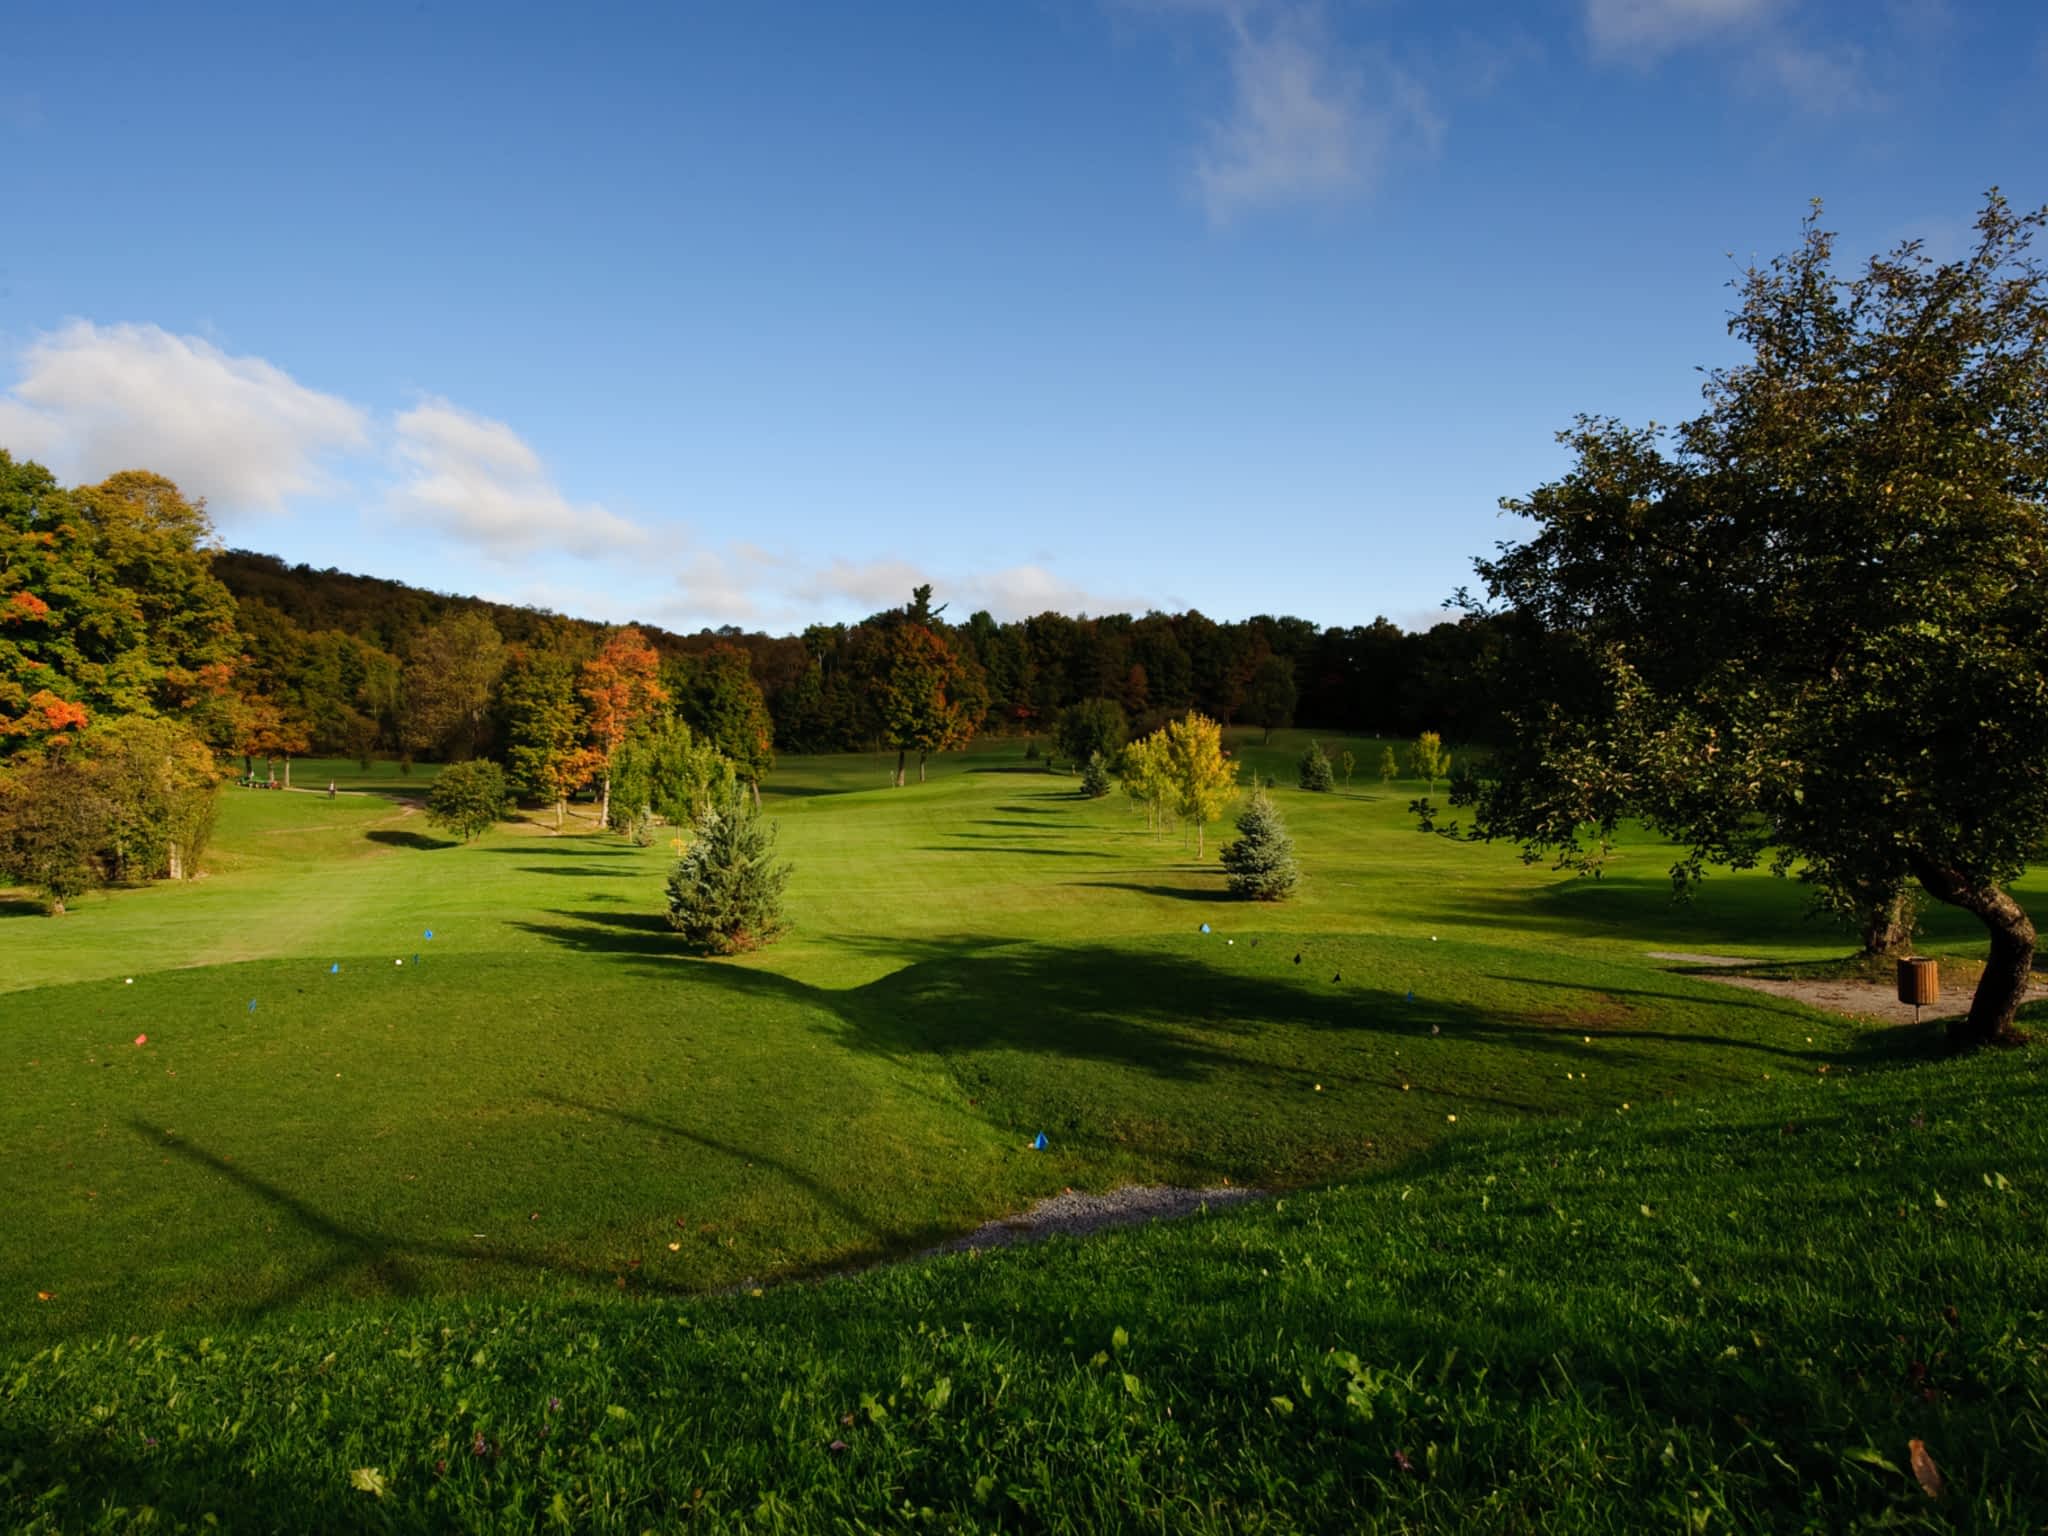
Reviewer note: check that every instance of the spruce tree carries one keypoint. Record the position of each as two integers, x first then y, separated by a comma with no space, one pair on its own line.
1095,777
1261,861
1315,770
725,892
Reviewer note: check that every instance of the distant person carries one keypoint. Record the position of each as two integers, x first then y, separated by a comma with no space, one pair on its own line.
330,789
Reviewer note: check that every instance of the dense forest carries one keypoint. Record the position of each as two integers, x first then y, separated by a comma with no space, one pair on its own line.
138,661
330,646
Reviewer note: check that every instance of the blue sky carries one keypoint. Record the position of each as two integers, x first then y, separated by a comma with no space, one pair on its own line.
758,313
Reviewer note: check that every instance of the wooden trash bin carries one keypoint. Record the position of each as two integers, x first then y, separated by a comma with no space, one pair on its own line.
1919,983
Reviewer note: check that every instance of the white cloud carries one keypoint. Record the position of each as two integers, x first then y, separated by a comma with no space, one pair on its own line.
1011,592
1305,125
1646,30
92,400
1813,79
478,481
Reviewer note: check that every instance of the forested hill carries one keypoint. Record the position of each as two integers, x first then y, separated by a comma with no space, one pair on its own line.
1278,670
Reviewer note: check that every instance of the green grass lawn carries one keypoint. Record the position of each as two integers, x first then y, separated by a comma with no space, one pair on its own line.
548,1105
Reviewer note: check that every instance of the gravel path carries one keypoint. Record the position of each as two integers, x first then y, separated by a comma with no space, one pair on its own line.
1076,1215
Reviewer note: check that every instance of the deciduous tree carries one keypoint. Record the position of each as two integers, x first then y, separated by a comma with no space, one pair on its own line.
1204,779
621,687
1270,695
1809,627
450,676
469,798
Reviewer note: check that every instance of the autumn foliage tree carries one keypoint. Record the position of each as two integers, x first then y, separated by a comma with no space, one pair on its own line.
546,758
620,687
926,698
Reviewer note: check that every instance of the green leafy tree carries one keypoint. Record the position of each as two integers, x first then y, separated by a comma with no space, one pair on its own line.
1092,728
1428,761
108,604
666,769
450,677
1095,777
469,798
55,823
1349,765
1270,695
1315,770
1809,627
725,892
156,782
543,725
1261,862
1146,775
1390,765
717,695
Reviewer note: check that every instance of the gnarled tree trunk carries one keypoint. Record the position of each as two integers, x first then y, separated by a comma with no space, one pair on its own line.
2003,986
901,754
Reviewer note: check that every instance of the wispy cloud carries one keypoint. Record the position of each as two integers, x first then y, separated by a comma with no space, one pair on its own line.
477,481
1819,80
1310,119
240,431
1646,30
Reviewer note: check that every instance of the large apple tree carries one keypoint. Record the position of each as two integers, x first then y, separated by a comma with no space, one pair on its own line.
1808,628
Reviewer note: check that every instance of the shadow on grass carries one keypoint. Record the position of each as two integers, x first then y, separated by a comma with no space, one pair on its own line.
1176,1017
21,906
424,842
360,1259
1175,892
1024,850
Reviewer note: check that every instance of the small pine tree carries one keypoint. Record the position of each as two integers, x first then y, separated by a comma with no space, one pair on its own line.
469,798
1315,770
725,892
1095,777
1390,766
1261,861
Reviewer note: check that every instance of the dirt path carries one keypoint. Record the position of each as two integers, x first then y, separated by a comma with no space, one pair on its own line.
1076,1215
1860,999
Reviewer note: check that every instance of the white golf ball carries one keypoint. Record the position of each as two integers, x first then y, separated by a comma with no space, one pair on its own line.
1432,938
398,962
128,981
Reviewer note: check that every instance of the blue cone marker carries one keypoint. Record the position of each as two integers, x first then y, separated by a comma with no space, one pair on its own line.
334,969
1038,1142
1411,997
1205,927
252,1005
430,933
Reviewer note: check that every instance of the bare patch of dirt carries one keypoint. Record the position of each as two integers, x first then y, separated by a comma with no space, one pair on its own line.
1075,1215
1855,996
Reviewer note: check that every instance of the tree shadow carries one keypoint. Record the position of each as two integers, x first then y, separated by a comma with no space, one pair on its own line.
1025,850
1174,892
22,906
424,842
1175,1016
360,1258
582,871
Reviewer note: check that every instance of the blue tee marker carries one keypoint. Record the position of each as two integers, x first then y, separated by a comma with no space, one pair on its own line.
1038,1142
1411,997
334,969
252,1005
1205,927
430,933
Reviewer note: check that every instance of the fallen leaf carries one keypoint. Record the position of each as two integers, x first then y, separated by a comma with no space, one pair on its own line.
368,1480
1924,1468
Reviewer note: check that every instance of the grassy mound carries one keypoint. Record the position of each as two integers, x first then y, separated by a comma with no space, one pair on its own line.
1730,1313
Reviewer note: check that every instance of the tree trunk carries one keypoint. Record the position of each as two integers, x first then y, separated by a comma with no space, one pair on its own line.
177,862
287,770
920,766
755,784
56,906
2003,986
561,810
604,809
1887,923
900,756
